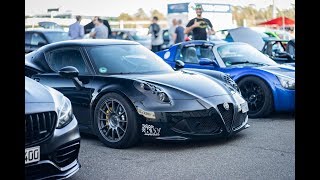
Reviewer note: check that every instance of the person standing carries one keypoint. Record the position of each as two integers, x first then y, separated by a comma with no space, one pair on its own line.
172,30
100,30
156,35
179,33
199,26
76,31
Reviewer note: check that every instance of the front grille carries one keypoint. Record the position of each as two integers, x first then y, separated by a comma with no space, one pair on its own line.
227,115
195,122
39,126
66,154
230,81
238,120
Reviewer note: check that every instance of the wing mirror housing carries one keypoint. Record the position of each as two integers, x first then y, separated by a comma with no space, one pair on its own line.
207,61
71,73
179,65
41,43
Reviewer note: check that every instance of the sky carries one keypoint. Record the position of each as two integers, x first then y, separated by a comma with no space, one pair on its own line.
114,8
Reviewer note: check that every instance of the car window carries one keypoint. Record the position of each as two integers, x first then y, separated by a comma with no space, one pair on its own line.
242,53
166,36
36,38
131,58
139,36
58,59
122,35
277,48
57,36
27,38
291,50
194,54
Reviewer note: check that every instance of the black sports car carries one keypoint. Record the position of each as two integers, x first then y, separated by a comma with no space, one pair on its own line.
52,138
121,91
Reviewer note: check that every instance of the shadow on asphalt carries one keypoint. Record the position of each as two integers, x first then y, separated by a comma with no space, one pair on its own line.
183,145
284,116
159,145
276,117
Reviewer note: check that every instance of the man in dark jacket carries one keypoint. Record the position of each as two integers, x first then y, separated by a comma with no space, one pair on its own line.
200,27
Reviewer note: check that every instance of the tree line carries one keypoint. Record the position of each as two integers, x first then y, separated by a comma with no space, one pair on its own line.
251,14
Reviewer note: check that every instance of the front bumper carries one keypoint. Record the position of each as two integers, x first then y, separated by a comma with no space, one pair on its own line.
206,118
58,155
284,99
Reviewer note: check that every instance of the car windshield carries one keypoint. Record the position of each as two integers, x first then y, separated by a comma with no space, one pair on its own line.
126,59
233,54
57,36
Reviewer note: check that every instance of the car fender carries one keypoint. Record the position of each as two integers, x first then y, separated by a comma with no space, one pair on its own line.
268,78
116,88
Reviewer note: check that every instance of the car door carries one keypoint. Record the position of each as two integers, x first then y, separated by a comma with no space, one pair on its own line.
80,98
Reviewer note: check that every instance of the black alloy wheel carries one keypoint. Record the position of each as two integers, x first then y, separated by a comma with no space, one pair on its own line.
116,121
258,95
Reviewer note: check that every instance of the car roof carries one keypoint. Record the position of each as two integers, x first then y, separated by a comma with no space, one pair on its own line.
88,42
124,30
43,30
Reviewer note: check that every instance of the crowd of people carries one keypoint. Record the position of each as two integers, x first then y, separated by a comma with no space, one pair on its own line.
100,29
199,27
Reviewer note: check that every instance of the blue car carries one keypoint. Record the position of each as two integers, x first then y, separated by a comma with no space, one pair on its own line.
279,50
266,85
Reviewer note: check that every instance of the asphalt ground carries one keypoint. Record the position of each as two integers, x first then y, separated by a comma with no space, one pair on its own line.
266,150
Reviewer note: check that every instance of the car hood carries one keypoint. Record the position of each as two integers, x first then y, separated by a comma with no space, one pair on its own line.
36,93
247,35
187,82
283,70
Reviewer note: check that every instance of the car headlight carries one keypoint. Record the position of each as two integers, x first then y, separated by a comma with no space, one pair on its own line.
64,111
231,82
286,82
153,91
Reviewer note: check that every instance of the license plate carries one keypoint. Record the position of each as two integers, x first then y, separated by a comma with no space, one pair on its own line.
32,154
244,107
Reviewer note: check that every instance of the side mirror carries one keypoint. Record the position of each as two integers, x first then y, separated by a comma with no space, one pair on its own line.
72,73
179,64
69,72
41,43
207,61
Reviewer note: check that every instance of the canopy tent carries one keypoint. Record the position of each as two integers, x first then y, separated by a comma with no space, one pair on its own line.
279,21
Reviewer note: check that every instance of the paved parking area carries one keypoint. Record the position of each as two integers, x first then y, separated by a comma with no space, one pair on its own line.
266,150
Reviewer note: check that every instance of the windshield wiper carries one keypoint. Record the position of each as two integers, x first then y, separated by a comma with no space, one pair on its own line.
247,62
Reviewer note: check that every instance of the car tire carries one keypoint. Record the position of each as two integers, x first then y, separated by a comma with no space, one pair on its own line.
258,95
116,126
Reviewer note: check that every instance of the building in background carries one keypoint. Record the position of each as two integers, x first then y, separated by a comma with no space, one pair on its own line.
219,14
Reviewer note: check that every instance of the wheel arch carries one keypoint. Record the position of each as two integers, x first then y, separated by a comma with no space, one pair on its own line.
270,85
102,93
